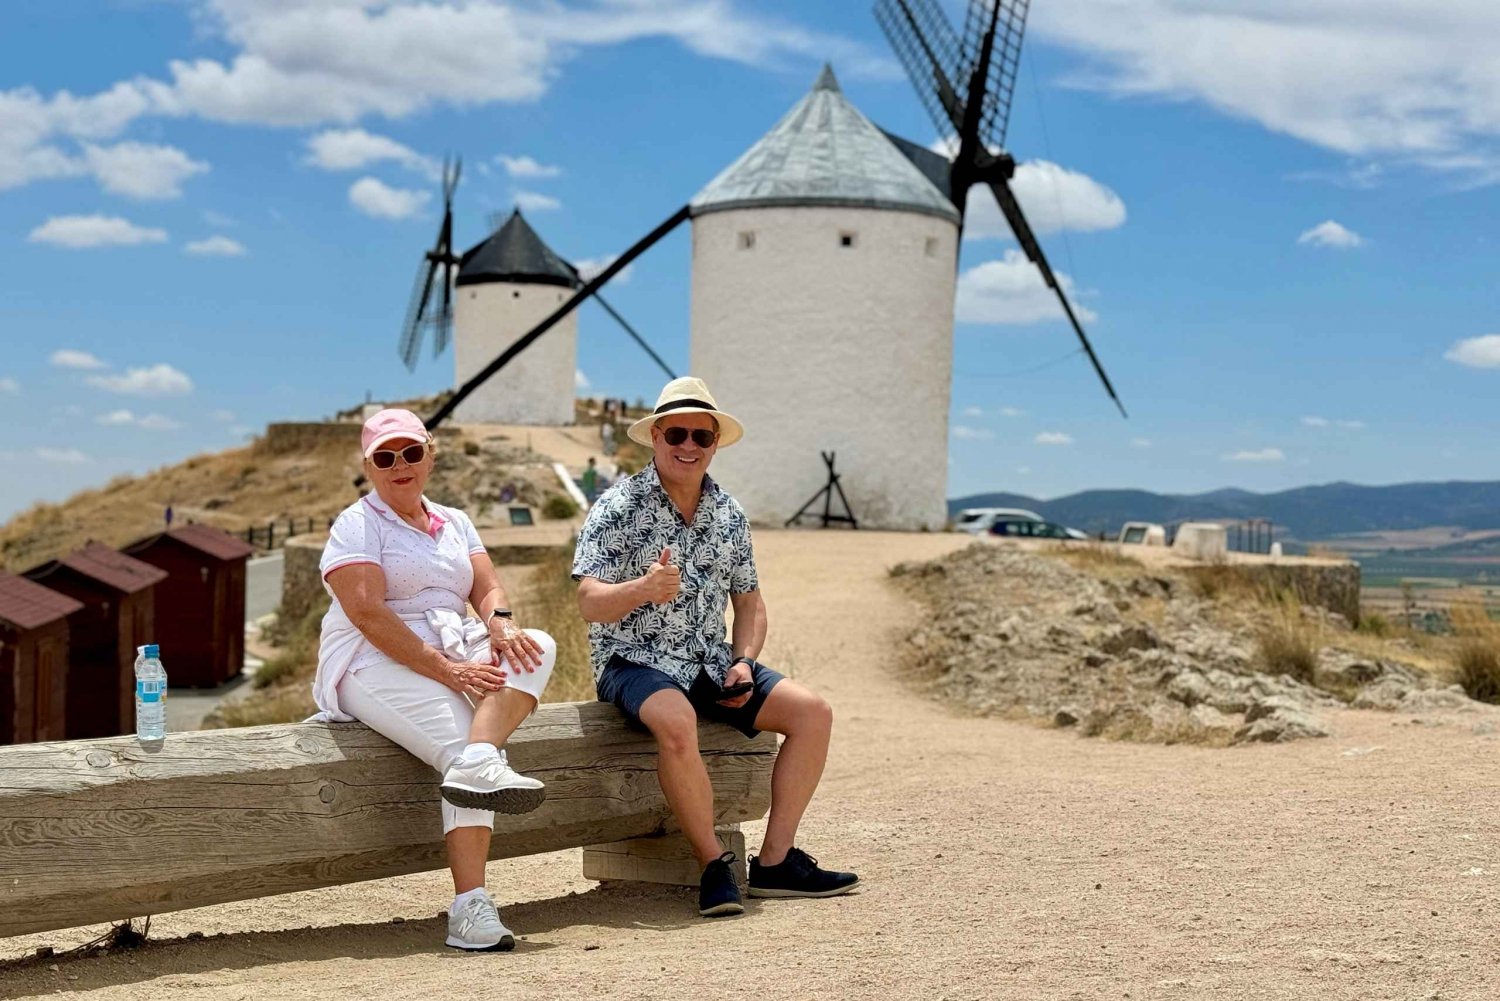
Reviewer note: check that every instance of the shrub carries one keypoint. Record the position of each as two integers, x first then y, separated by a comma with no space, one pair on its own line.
558,506
1286,642
1478,663
1477,656
1374,624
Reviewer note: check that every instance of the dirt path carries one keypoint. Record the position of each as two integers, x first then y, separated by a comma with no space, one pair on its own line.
1000,861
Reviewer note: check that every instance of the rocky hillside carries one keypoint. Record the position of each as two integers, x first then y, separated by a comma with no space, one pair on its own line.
256,484
1091,640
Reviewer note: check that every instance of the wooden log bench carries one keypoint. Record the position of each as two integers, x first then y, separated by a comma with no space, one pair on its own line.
102,830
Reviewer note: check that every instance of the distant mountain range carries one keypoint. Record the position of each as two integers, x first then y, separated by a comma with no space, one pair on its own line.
1307,513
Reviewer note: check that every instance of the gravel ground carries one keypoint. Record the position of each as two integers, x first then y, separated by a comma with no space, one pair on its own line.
1000,860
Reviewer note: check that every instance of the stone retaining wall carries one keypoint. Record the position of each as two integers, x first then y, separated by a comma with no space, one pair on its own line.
301,584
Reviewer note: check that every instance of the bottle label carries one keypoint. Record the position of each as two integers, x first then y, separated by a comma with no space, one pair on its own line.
148,691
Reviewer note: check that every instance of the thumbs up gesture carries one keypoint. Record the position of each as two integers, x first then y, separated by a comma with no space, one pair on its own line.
662,579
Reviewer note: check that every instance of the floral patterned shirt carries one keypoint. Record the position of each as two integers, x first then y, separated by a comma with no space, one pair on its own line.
625,533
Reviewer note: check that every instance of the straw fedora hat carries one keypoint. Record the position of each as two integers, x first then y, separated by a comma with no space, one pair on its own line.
687,396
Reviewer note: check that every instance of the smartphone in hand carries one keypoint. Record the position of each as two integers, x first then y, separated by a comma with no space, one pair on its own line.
735,691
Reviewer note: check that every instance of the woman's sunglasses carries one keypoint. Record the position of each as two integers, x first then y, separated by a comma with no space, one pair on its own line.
385,458
702,437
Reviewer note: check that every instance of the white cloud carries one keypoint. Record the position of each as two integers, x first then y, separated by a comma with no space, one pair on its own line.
1053,438
374,198
1011,291
1259,455
141,170
71,358
1403,78
535,201
1476,352
355,149
333,62
116,417
525,166
304,62
590,268
1140,443
965,433
580,381
1012,412
1356,175
1324,422
156,422
222,416
216,246
81,231
973,412
33,126
218,219
1053,199
1331,234
61,456
1023,470
160,379
9,385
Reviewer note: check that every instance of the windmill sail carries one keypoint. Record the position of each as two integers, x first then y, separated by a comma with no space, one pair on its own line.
431,307
967,85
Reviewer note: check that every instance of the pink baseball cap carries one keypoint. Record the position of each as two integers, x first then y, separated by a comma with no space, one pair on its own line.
388,425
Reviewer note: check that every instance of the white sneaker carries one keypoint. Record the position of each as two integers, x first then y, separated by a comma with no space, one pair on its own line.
476,926
491,784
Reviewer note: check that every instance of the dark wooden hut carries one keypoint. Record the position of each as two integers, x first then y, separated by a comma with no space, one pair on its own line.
33,660
203,638
118,594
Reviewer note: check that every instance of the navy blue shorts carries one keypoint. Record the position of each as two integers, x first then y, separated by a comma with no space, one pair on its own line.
627,685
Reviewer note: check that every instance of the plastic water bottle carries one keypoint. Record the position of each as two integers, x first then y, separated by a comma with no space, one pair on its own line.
150,694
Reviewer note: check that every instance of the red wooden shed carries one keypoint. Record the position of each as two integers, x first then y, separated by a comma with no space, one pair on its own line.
33,660
205,590
118,593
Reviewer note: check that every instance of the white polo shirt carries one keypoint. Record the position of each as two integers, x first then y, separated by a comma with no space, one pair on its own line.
422,571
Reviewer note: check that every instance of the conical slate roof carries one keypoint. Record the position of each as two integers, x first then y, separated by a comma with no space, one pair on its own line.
824,152
514,253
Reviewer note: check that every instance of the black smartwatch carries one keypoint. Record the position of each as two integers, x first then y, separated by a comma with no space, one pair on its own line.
502,613
745,660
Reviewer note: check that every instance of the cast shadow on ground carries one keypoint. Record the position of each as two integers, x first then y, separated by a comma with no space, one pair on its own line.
639,906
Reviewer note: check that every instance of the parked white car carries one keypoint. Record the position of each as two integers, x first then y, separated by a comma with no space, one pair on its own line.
979,520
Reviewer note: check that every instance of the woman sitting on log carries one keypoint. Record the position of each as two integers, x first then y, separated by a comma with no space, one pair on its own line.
399,654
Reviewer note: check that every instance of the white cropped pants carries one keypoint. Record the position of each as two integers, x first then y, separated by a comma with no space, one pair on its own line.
428,718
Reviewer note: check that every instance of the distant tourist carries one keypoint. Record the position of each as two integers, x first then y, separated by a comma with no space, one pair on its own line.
607,437
590,481
398,654
167,514
658,650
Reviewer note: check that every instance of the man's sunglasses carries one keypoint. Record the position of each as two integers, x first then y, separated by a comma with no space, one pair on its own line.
385,458
702,437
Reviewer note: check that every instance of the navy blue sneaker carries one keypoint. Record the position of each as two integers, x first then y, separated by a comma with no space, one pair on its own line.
797,875
718,892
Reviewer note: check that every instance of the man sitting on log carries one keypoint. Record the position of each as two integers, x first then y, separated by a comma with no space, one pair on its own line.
658,559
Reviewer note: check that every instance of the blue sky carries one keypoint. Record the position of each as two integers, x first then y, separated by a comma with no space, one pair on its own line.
1280,217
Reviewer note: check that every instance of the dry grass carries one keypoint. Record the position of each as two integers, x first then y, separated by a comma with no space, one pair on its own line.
550,603
1100,559
1287,643
1476,653
1222,581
